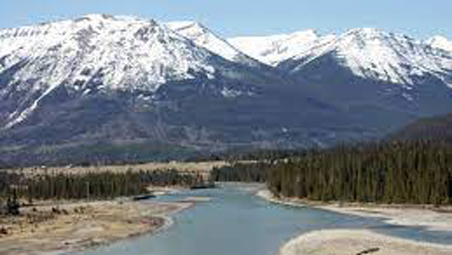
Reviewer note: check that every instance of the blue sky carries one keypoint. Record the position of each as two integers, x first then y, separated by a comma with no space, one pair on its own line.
418,18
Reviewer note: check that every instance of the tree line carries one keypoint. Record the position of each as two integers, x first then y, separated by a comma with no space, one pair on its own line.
417,172
104,185
247,155
242,172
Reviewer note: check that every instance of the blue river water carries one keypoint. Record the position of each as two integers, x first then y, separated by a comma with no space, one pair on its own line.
235,222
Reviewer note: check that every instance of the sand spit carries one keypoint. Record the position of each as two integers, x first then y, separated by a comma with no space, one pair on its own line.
430,218
358,242
75,226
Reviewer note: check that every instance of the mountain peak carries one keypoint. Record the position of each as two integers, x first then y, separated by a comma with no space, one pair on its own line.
98,16
206,38
365,31
440,42
276,48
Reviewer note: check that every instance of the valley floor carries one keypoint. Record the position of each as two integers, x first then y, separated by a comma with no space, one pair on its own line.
74,226
335,242
202,168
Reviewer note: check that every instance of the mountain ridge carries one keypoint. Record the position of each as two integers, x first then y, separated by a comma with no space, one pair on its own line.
275,48
432,56
208,39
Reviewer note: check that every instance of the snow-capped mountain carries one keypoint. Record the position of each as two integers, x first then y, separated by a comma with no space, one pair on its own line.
204,37
376,55
274,49
100,53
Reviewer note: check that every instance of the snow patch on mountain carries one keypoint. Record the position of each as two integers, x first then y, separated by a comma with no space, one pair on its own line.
274,49
204,37
233,93
19,116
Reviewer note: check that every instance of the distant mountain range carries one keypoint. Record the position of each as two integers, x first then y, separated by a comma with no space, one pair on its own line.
368,53
113,88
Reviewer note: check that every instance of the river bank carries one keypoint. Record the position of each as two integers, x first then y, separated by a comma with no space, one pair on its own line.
75,226
355,241
428,217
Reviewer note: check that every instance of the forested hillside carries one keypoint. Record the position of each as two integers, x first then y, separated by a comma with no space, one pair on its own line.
416,172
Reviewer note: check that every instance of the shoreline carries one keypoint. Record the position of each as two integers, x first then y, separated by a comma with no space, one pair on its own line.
425,216
364,241
77,226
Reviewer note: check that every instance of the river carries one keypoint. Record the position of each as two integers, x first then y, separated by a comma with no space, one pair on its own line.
235,222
